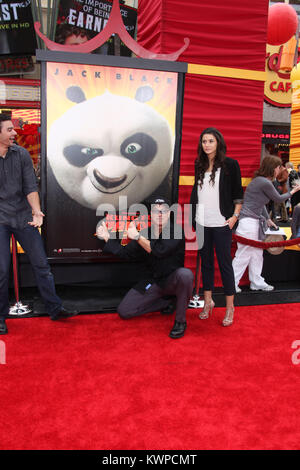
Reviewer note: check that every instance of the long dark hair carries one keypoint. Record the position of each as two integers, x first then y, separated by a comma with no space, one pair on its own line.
202,162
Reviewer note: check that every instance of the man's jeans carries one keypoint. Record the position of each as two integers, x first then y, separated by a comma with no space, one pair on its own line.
31,242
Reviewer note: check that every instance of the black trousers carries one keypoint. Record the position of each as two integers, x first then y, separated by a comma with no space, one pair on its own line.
218,238
178,284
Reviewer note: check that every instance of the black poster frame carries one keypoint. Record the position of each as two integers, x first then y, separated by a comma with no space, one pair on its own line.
113,61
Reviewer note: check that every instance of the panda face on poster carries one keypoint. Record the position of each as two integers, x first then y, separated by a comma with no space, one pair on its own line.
110,146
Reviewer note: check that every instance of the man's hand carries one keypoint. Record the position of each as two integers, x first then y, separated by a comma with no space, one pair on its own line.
295,189
37,219
132,231
102,231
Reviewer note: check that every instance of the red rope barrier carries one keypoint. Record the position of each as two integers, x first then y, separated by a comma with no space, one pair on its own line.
265,245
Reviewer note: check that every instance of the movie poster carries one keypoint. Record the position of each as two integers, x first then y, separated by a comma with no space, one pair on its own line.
17,35
80,20
110,138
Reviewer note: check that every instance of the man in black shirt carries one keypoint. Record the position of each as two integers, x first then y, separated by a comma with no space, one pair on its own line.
162,248
21,215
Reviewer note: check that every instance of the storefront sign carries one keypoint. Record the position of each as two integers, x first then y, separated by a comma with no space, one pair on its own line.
278,84
14,92
80,20
276,135
10,65
17,35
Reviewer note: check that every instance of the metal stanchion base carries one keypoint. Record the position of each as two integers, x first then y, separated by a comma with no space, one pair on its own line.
195,302
19,309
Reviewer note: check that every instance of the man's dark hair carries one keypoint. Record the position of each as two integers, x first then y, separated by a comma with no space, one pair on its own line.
63,31
3,118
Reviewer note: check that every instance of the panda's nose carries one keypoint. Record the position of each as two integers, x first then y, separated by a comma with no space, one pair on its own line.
106,181
111,167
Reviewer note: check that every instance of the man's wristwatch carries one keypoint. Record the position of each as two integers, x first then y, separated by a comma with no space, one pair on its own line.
236,215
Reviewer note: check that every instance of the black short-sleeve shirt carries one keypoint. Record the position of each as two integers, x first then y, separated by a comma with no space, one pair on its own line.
17,180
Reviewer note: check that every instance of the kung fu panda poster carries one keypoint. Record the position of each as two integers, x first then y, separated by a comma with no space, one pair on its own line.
110,137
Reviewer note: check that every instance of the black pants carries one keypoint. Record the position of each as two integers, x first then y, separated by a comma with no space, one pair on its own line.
219,238
179,284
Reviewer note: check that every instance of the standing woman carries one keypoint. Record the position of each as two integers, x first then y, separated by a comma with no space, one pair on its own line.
218,195
295,224
254,220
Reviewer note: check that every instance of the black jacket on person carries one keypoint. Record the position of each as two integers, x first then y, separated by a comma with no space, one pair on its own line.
293,176
295,221
167,254
230,189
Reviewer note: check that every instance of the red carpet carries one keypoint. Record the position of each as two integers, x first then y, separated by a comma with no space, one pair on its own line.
98,382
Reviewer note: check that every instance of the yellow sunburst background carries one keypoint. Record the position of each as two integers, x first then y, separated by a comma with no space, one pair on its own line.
116,80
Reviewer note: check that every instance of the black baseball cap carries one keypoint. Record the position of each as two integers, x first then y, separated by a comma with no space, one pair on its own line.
159,200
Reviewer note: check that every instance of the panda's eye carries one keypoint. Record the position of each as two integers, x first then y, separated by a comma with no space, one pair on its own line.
133,148
91,152
139,148
80,156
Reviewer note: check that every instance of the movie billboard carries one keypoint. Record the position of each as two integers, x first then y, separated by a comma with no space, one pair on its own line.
17,35
81,20
111,133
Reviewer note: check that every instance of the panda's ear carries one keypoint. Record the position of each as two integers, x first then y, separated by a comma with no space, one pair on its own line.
144,93
75,94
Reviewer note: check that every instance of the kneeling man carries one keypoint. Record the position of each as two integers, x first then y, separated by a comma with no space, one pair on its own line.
162,247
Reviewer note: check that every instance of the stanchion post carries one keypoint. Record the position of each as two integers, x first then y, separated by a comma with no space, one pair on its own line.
17,309
195,302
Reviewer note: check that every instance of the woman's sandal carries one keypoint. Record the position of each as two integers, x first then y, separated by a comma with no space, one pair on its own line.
228,319
207,310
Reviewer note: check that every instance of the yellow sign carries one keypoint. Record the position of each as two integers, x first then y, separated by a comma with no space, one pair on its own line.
278,85
10,92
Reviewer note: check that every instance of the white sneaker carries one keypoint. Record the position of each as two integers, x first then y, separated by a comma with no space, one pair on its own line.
266,288
238,289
